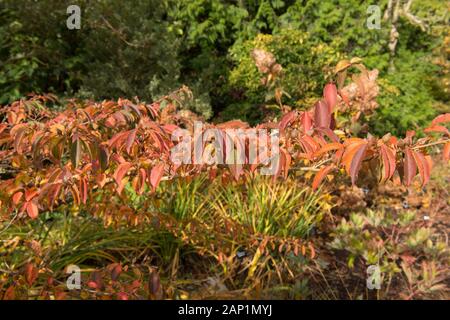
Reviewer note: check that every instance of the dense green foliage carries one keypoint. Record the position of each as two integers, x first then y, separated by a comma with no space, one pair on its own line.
146,48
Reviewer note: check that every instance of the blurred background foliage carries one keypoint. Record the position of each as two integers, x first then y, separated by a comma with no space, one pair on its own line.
146,48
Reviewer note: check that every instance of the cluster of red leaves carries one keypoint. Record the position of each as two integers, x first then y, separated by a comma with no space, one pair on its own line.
115,281
67,156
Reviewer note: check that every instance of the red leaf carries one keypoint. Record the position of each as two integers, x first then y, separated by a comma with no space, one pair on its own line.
388,159
32,210
410,167
122,296
306,121
286,119
356,162
31,274
54,195
96,281
130,140
329,133
170,128
323,172
330,95
322,115
156,174
121,171
423,165
30,194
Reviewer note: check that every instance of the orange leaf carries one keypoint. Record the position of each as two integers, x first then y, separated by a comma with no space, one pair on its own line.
441,119
349,153
437,128
83,190
321,175
328,147
312,251
32,210
16,197
75,193
356,162
446,151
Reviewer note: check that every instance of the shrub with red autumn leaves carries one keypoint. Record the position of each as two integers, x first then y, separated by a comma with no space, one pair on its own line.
51,157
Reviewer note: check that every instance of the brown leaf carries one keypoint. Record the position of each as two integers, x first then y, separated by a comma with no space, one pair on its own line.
75,152
342,65
116,271
75,194
104,158
154,285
